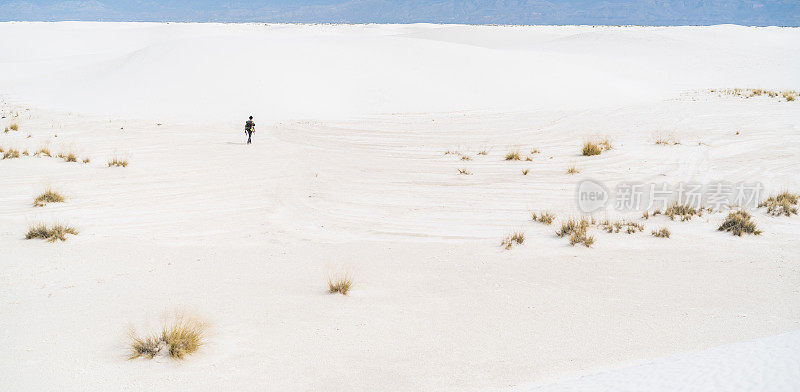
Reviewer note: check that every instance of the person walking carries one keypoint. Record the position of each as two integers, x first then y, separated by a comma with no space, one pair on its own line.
249,128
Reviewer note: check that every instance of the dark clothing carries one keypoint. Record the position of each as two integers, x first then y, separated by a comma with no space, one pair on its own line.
249,125
249,135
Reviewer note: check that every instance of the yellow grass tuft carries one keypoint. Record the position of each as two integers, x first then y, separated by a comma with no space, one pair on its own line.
11,153
684,211
14,127
513,156
595,147
340,285
573,170
118,162
51,234
738,223
783,203
48,196
180,339
43,151
86,160
525,172
464,171
69,157
661,233
483,152
513,238
577,232
545,217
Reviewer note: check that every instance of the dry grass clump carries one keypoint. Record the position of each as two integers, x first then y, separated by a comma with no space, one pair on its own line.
483,152
513,238
86,160
43,151
535,151
180,339
68,157
788,95
684,211
464,171
465,158
595,147
340,285
577,232
781,204
513,156
48,196
525,172
26,153
11,153
51,234
738,223
118,162
573,170
13,127
616,227
666,140
661,233
545,217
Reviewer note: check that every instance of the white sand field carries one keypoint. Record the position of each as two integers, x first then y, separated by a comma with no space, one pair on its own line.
348,174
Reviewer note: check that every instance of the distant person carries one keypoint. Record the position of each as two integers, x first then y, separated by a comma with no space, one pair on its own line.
249,128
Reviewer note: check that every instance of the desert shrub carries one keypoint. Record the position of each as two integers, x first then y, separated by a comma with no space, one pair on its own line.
591,148
2,149
783,203
545,217
25,153
86,160
572,170
14,127
69,157
646,215
340,285
43,151
513,238
181,338
465,158
118,162
789,95
513,156
738,223
661,233
483,152
535,151
525,172
464,171
616,227
684,211
577,232
48,196
11,153
595,147
51,234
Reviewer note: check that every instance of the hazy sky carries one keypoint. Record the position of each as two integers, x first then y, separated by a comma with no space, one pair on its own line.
647,12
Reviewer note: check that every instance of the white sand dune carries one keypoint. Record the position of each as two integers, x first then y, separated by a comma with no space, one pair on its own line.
348,173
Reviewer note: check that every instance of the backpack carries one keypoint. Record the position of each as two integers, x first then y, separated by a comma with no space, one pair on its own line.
248,126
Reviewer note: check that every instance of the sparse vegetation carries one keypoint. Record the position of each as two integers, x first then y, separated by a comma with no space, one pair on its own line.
738,223
13,127
666,139
86,160
577,232
535,151
788,95
68,157
572,170
684,211
616,227
783,203
595,147
513,238
51,234
465,158
464,171
48,196
118,162
483,152
661,233
180,339
340,285
545,217
11,153
513,156
43,151
525,172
